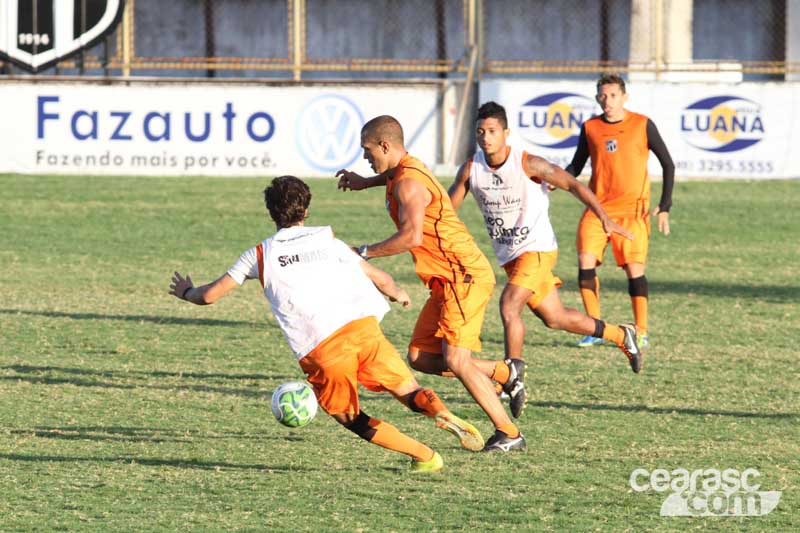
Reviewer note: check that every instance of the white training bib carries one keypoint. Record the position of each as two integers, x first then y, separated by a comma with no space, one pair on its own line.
514,206
313,282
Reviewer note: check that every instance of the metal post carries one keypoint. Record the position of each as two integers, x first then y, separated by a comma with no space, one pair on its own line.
127,37
465,98
106,54
298,33
441,35
480,41
658,24
208,14
82,56
604,31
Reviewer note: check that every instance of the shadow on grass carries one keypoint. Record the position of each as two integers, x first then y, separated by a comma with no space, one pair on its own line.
465,399
661,410
769,293
139,434
38,376
165,320
192,464
24,369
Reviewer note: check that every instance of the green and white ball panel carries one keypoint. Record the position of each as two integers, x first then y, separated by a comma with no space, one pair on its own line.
294,404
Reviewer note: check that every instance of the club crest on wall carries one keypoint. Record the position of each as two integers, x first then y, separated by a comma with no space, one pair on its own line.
35,34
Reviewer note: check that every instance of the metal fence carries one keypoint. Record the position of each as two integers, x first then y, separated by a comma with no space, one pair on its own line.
363,39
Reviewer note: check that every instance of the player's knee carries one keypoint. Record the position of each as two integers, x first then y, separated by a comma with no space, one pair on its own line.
587,278
360,425
413,359
637,287
457,361
507,314
510,310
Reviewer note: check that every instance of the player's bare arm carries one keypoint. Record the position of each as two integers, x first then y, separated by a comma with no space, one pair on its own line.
385,284
352,181
412,199
184,289
460,187
553,175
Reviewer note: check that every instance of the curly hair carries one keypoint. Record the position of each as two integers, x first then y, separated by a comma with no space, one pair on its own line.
287,199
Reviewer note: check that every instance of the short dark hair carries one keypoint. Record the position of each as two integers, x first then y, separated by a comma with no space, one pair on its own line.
383,128
287,199
608,79
493,110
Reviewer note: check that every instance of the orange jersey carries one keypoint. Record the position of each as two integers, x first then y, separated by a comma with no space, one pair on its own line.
619,154
448,251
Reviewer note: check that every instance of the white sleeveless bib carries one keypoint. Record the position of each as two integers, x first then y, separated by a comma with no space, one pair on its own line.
514,207
314,284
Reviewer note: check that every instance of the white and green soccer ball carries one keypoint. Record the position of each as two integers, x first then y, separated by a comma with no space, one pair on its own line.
294,404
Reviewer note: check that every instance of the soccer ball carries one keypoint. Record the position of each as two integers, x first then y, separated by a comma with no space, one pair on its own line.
294,404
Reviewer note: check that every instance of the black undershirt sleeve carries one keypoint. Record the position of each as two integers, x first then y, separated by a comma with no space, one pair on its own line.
656,144
581,155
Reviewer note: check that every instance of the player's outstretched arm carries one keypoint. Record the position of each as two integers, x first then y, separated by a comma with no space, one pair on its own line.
537,167
183,288
460,187
349,180
385,283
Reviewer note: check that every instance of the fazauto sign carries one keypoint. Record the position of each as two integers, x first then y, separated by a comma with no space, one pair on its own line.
204,129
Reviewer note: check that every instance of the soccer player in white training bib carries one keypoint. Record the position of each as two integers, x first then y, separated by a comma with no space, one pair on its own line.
511,188
326,300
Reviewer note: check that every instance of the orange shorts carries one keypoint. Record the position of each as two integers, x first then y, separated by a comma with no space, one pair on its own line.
453,313
356,353
592,239
534,271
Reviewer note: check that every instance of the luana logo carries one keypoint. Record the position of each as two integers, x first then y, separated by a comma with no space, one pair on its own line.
553,120
329,132
54,34
722,124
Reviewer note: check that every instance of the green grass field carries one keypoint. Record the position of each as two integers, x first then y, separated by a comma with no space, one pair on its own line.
125,409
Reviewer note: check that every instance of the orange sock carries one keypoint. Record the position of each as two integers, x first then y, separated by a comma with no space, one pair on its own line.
509,429
426,401
639,304
389,437
591,299
501,372
614,334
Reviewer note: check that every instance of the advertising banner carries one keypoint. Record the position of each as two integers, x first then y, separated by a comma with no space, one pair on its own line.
742,130
202,129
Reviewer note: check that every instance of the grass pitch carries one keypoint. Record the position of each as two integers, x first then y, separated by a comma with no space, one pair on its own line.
124,409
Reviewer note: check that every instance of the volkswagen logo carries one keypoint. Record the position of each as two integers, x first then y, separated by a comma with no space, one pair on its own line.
329,132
